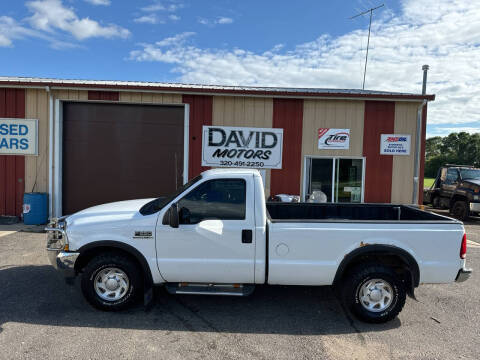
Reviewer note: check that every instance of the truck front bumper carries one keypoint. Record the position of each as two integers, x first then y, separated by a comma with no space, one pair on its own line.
475,207
63,261
463,275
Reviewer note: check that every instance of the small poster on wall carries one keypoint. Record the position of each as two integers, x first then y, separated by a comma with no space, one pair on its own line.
394,144
333,139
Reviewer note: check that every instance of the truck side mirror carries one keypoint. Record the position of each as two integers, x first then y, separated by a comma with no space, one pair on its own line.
173,215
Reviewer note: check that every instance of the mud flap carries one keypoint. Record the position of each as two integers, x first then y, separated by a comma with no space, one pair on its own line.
148,297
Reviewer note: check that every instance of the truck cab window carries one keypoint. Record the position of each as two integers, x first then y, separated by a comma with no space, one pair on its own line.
222,199
452,176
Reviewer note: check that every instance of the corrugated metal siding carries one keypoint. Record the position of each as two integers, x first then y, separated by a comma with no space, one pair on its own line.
288,114
36,167
379,119
103,95
244,111
70,94
154,98
332,114
402,172
200,114
12,167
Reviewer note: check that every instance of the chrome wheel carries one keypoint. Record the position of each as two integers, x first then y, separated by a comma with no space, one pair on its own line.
375,295
111,284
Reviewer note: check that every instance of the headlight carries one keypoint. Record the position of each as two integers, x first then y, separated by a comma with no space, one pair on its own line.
56,234
55,241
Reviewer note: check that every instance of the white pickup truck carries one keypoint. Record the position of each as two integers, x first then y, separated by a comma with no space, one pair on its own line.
217,236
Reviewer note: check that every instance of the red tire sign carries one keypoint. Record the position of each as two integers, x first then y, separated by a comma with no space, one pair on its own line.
333,138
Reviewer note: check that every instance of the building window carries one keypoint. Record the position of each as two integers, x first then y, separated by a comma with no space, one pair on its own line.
336,179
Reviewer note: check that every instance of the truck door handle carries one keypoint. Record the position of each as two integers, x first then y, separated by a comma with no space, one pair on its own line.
247,236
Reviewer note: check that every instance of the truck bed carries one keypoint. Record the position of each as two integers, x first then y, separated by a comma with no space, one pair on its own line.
328,212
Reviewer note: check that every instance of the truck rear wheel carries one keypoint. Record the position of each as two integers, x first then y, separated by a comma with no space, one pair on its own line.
460,210
373,293
111,282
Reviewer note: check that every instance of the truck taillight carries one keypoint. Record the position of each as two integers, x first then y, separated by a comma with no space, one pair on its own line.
463,248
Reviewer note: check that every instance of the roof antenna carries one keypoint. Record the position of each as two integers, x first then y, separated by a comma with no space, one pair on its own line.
368,41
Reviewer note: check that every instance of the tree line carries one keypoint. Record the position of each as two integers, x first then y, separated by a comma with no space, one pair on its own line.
457,148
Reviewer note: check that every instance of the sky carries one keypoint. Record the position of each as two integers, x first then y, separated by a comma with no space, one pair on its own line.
304,43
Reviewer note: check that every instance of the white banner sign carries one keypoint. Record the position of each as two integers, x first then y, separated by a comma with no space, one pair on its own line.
227,146
333,138
18,137
394,144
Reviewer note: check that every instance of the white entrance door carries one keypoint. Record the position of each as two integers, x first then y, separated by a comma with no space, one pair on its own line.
215,241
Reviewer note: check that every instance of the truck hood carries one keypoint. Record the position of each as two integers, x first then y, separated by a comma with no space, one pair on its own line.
118,221
107,213
473,181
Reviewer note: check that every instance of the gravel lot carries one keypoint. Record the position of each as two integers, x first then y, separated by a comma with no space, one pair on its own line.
42,317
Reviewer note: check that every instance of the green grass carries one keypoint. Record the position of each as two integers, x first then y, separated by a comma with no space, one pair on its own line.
428,182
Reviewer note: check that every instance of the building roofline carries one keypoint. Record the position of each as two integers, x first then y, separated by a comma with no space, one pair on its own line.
211,89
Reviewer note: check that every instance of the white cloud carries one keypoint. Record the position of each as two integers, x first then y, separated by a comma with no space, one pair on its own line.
52,15
162,6
441,33
153,10
176,40
147,19
444,131
11,30
153,7
99,2
224,20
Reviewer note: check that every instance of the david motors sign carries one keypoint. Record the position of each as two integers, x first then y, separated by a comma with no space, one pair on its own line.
227,146
18,137
333,138
394,144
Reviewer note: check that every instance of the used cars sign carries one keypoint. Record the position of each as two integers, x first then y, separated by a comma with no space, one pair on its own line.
18,137
225,146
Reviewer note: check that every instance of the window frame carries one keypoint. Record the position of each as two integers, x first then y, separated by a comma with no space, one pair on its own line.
211,180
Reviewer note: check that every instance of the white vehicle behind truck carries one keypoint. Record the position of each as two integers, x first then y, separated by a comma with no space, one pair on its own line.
216,235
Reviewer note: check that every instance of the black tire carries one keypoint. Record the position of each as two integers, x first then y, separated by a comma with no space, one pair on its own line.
460,210
436,202
360,275
104,262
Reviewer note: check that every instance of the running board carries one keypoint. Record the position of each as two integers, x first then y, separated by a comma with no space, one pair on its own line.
210,289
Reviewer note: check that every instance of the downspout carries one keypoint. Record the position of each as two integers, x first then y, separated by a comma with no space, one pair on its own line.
418,139
418,153
50,152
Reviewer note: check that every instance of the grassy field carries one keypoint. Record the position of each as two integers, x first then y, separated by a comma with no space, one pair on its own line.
427,182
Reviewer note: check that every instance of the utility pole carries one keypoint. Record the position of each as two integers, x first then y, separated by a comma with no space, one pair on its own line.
368,41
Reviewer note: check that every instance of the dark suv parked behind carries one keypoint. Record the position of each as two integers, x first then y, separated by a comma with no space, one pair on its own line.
456,187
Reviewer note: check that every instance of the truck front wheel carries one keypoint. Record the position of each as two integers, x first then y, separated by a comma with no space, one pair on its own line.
460,210
111,282
373,293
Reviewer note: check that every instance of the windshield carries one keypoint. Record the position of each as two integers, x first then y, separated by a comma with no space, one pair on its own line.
470,174
157,204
